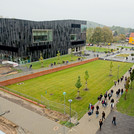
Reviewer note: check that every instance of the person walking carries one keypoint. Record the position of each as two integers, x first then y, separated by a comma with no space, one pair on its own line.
100,123
92,108
105,96
114,120
109,96
121,91
97,113
118,81
97,107
103,115
89,114
112,104
112,91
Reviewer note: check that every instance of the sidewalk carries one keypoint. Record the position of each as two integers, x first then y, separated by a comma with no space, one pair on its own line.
91,127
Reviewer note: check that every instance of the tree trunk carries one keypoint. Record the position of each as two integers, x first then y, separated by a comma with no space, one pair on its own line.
86,84
78,93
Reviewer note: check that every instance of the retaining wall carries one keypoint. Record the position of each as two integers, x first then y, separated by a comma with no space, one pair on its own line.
34,75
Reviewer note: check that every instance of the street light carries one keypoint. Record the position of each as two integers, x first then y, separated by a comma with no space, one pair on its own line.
70,108
118,72
64,93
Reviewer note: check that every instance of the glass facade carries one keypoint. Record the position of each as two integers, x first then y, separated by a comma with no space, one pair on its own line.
83,28
42,35
73,37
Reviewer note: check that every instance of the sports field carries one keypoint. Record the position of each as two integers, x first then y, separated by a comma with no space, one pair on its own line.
53,85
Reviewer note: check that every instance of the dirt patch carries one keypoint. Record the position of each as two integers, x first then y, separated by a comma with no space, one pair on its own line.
7,126
54,115
4,71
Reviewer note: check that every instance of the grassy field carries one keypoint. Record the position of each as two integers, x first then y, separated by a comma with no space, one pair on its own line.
124,47
97,49
53,85
127,106
47,62
123,55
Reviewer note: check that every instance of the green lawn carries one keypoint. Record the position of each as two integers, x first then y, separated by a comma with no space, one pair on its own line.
53,85
97,49
127,106
47,62
123,55
124,47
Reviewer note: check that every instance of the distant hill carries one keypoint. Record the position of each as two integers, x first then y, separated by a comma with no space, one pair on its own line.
120,30
91,24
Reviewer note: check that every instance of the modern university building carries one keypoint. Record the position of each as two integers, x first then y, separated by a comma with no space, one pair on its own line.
23,39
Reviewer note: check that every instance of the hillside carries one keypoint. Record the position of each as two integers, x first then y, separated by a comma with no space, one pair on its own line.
120,30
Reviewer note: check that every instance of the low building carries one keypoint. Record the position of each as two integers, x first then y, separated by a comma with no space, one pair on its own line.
131,38
23,39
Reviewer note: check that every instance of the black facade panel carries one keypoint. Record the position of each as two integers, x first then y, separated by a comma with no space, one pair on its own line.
34,48
75,26
8,48
77,42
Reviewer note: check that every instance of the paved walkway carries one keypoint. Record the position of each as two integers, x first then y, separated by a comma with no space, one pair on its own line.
29,120
125,124
91,127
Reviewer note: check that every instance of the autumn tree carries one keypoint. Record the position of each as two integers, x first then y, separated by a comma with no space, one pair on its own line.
107,36
41,60
89,34
97,35
58,55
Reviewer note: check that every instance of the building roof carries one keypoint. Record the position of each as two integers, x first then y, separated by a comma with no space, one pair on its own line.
132,35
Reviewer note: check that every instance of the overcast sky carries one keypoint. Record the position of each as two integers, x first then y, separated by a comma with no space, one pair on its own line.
107,12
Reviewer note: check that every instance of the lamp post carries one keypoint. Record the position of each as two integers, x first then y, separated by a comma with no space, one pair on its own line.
64,93
70,108
118,72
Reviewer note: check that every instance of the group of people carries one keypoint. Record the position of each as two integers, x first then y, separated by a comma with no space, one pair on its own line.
119,91
103,100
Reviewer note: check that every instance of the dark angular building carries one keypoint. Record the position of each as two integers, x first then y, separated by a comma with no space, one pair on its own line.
27,39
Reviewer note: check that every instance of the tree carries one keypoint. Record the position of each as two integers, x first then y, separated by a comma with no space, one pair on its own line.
111,66
86,78
89,34
58,55
78,85
132,77
97,35
122,37
72,54
41,60
107,36
115,33
126,87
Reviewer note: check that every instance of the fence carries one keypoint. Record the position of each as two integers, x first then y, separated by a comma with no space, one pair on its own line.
60,108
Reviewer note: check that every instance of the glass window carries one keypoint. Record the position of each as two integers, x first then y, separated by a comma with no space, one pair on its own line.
83,28
73,37
42,35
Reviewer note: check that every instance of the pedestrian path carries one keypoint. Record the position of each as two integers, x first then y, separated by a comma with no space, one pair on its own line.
91,127
125,124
